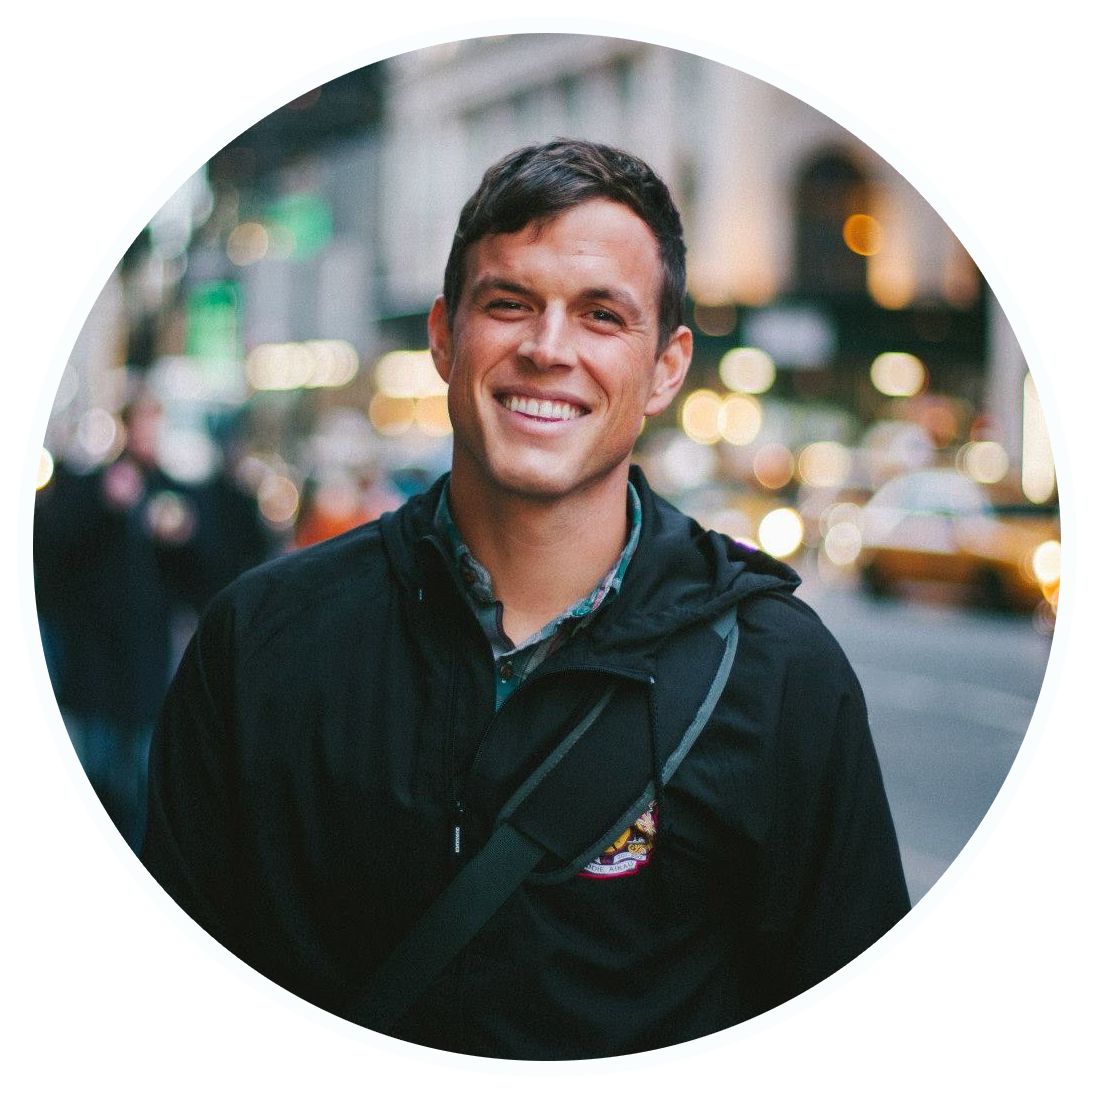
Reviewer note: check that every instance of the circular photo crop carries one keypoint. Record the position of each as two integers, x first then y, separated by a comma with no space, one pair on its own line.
547,546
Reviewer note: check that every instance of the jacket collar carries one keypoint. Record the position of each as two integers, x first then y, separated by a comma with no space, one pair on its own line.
680,574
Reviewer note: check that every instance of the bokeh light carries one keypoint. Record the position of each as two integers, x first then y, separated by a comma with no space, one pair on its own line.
1038,472
773,466
747,370
278,500
100,435
781,532
187,454
862,234
842,512
291,366
248,243
408,374
843,542
391,416
1046,562
431,415
898,374
170,516
45,469
984,460
335,363
739,419
826,463
891,281
278,367
699,416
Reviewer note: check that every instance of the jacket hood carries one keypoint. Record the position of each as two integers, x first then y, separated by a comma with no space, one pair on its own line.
681,573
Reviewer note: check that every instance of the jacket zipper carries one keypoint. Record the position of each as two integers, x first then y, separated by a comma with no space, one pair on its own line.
457,841
457,828
457,813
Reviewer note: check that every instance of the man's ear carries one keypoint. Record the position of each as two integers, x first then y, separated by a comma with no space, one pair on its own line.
440,338
669,371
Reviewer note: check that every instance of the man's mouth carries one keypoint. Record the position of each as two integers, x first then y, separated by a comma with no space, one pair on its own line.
544,409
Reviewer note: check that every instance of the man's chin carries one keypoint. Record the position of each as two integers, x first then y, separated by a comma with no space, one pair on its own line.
549,483
543,487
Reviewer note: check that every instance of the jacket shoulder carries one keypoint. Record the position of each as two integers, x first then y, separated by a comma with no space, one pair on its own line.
791,669
334,579
787,625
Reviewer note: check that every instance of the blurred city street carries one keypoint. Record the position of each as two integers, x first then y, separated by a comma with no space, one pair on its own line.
950,693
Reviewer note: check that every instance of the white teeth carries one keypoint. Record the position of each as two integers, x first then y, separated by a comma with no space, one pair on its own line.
544,409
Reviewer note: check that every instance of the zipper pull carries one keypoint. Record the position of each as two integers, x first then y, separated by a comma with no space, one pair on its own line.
457,829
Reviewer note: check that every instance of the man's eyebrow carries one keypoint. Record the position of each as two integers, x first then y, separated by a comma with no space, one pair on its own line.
496,283
607,294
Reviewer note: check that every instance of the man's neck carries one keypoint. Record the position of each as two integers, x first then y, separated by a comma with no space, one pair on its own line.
542,555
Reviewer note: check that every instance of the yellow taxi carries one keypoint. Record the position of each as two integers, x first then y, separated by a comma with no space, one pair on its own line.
937,531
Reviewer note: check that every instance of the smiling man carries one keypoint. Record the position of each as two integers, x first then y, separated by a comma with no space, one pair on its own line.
534,767
554,353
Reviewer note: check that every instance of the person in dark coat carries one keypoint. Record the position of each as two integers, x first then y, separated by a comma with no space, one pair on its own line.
351,737
124,557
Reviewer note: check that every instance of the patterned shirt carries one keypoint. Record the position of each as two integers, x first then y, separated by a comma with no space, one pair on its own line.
512,664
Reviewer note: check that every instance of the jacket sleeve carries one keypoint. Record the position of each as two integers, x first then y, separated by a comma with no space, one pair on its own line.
189,842
832,882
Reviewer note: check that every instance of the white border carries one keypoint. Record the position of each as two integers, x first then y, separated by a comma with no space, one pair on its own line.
984,119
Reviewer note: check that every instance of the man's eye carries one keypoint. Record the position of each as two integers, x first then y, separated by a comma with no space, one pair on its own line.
607,316
505,304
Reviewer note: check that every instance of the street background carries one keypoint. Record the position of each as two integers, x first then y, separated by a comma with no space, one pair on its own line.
976,629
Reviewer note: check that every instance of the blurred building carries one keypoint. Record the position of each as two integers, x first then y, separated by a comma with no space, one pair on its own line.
282,276
801,238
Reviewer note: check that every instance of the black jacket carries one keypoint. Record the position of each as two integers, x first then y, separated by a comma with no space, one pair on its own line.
333,717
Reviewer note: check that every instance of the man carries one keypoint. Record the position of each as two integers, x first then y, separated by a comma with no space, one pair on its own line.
352,724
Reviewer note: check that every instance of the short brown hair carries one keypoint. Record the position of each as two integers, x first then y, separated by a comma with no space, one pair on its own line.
539,182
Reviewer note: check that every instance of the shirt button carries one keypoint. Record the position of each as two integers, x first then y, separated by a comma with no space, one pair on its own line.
468,576
505,671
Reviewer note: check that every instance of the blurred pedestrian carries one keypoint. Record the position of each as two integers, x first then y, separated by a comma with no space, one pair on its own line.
125,558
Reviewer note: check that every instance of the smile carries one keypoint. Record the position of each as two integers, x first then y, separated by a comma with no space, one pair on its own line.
544,409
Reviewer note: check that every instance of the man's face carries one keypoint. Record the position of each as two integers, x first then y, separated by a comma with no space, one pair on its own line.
552,357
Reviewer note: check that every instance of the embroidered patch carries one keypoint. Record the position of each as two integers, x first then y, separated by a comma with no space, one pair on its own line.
629,852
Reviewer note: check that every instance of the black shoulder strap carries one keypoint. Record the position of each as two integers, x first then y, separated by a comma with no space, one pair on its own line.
510,856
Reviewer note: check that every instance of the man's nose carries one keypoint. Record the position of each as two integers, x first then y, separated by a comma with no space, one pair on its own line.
549,341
